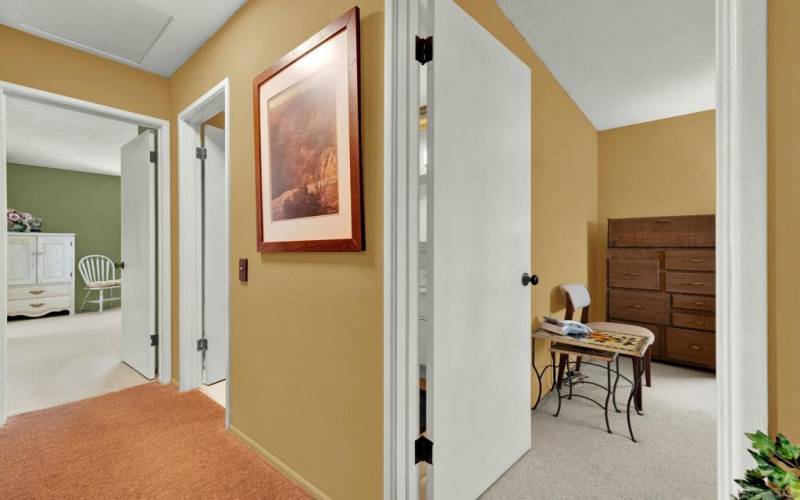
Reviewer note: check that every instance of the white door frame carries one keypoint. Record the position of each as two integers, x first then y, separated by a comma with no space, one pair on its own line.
190,242
164,319
742,396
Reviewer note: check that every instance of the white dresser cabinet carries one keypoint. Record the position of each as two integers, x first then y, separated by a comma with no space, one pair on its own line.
41,273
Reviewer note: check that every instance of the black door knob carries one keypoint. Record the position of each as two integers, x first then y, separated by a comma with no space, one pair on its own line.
529,279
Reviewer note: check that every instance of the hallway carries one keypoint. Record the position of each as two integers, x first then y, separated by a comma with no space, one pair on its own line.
148,441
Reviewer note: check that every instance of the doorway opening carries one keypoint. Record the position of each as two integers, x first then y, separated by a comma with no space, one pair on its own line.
203,151
85,288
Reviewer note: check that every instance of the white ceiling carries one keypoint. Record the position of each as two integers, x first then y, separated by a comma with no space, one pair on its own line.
153,35
625,61
48,136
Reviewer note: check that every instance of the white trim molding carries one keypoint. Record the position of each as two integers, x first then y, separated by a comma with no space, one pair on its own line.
190,267
742,396
164,319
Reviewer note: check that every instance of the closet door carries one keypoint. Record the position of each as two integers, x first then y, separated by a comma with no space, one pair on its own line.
21,259
54,262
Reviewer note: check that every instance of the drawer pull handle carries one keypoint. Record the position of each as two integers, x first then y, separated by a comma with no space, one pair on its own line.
632,274
664,221
38,304
699,303
695,283
636,306
35,292
698,322
694,260
695,347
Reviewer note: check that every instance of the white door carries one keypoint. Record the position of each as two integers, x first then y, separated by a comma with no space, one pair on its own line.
54,263
21,259
215,257
138,255
479,137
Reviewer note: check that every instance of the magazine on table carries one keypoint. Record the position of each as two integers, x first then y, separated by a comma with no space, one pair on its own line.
565,327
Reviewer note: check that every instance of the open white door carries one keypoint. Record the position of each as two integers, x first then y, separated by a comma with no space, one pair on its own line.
138,254
215,257
479,138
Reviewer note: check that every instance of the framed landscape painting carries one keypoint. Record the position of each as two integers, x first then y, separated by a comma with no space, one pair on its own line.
308,145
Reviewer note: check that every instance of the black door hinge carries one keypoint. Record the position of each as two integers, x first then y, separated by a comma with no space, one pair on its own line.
154,157
424,49
423,450
154,340
202,344
201,153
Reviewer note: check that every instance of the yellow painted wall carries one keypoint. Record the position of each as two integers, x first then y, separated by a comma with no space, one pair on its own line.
34,62
563,176
783,189
306,331
663,167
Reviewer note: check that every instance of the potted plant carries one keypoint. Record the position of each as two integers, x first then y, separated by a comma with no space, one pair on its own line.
775,476
22,222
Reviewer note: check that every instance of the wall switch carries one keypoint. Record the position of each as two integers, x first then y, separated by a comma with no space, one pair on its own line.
243,270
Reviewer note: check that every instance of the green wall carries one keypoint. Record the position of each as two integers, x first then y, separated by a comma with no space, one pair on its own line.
71,202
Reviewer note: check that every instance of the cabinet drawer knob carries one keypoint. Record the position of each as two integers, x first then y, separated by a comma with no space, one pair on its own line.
636,306
695,347
694,260
699,303
38,304
698,322
632,274
36,292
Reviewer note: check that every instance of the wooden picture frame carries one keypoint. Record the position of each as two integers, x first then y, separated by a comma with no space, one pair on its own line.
306,109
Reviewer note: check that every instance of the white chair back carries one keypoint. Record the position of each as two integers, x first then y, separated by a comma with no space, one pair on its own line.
578,294
96,268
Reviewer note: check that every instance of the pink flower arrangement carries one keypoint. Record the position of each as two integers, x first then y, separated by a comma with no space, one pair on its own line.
22,222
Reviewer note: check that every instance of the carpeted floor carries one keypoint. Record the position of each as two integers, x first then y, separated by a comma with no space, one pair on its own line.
58,359
574,457
144,442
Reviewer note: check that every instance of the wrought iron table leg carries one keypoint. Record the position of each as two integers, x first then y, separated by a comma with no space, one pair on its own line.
616,381
569,379
608,395
539,378
637,382
558,392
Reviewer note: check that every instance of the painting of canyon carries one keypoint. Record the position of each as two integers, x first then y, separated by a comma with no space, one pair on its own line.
303,166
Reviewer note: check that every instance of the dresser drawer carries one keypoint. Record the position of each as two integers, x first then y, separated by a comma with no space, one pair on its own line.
691,260
37,306
692,347
696,321
682,231
40,291
641,274
641,307
700,283
696,302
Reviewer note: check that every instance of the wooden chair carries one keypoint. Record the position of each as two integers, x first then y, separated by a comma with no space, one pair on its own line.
577,297
100,275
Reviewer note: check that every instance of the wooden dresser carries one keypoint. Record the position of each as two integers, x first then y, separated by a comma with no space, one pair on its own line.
661,276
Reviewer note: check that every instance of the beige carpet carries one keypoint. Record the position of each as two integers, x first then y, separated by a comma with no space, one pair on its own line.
144,442
574,457
58,359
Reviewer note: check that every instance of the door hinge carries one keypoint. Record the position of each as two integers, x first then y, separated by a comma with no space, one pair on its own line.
202,344
201,153
424,49
154,340
423,450
154,157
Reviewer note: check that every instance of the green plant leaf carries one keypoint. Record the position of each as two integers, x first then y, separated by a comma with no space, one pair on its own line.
785,449
762,443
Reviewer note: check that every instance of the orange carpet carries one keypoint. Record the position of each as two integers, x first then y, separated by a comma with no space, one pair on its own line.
144,442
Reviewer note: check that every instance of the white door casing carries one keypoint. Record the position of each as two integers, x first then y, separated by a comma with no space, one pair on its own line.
54,263
479,151
215,256
138,254
22,251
